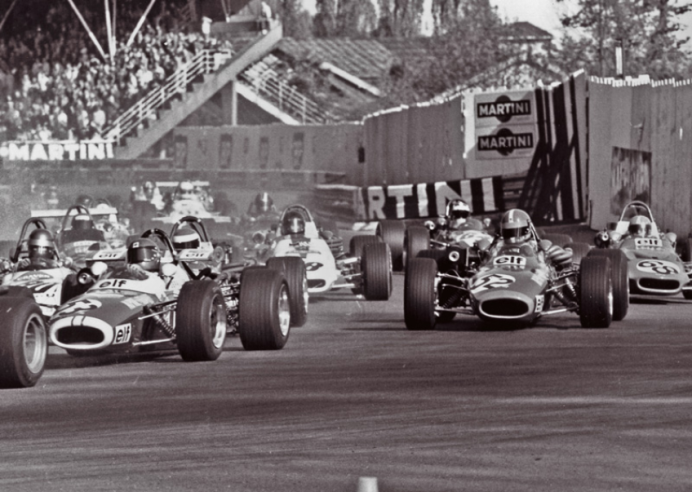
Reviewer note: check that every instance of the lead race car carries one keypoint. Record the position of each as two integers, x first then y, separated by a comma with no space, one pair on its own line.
507,283
126,311
367,269
653,265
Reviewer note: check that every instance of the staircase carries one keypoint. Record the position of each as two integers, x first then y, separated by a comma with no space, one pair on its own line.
156,114
264,79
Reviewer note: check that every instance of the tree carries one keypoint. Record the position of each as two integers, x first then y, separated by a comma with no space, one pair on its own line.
646,29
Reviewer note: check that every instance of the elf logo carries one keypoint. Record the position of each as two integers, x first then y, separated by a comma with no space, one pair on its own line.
503,109
505,142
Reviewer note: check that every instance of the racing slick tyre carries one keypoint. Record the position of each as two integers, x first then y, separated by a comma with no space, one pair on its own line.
392,233
293,270
355,247
579,251
264,309
416,239
376,268
419,294
596,292
557,238
200,321
23,342
621,283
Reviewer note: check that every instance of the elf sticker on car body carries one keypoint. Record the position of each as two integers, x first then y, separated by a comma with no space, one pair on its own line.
540,301
492,281
122,333
647,243
510,261
659,267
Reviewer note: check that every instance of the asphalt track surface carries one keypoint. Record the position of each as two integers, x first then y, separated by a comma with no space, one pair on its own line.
354,394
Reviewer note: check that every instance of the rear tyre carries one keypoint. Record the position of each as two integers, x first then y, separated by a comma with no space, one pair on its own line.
23,343
392,233
264,309
200,321
416,239
621,283
596,292
357,243
419,294
376,268
293,270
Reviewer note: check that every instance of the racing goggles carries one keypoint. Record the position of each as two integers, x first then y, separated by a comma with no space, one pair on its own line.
459,214
512,235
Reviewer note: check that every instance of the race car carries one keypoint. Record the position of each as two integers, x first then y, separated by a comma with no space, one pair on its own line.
36,280
510,285
123,312
653,265
366,270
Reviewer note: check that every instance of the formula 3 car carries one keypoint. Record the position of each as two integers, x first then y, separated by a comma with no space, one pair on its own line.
653,265
513,286
366,270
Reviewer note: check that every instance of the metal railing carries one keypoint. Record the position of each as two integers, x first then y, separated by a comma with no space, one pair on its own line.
204,62
267,84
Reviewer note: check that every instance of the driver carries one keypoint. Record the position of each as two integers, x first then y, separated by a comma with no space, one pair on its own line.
263,204
186,238
42,252
149,193
144,262
640,226
83,229
293,224
457,213
517,230
185,191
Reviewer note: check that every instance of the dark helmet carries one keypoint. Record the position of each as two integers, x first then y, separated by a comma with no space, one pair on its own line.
457,212
640,226
263,202
515,226
186,238
145,253
82,222
85,201
293,223
41,245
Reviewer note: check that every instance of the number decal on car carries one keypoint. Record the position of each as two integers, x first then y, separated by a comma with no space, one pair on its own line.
492,281
657,266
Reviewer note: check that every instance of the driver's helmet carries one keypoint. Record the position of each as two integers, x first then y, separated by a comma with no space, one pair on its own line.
82,222
186,190
85,201
515,226
186,238
145,253
41,245
263,203
148,189
293,223
457,212
640,226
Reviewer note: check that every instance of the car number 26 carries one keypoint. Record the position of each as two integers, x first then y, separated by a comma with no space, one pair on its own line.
492,281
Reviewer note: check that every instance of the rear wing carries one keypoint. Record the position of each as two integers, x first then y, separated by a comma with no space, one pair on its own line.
174,184
60,213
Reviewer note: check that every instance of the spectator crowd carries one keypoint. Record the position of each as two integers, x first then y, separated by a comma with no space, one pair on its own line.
56,85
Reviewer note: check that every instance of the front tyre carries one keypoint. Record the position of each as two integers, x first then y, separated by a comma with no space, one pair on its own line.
23,343
264,309
376,268
294,271
596,292
621,282
200,321
416,239
420,294
392,233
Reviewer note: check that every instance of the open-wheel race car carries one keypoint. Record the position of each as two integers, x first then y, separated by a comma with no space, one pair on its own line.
510,284
367,269
653,264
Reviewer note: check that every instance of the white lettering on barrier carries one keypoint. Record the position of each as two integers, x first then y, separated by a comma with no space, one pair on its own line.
55,151
376,201
399,192
443,193
422,196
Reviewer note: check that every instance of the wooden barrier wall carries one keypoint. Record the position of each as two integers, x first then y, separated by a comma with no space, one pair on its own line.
640,147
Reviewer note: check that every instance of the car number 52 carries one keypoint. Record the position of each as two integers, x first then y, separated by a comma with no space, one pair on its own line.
492,281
